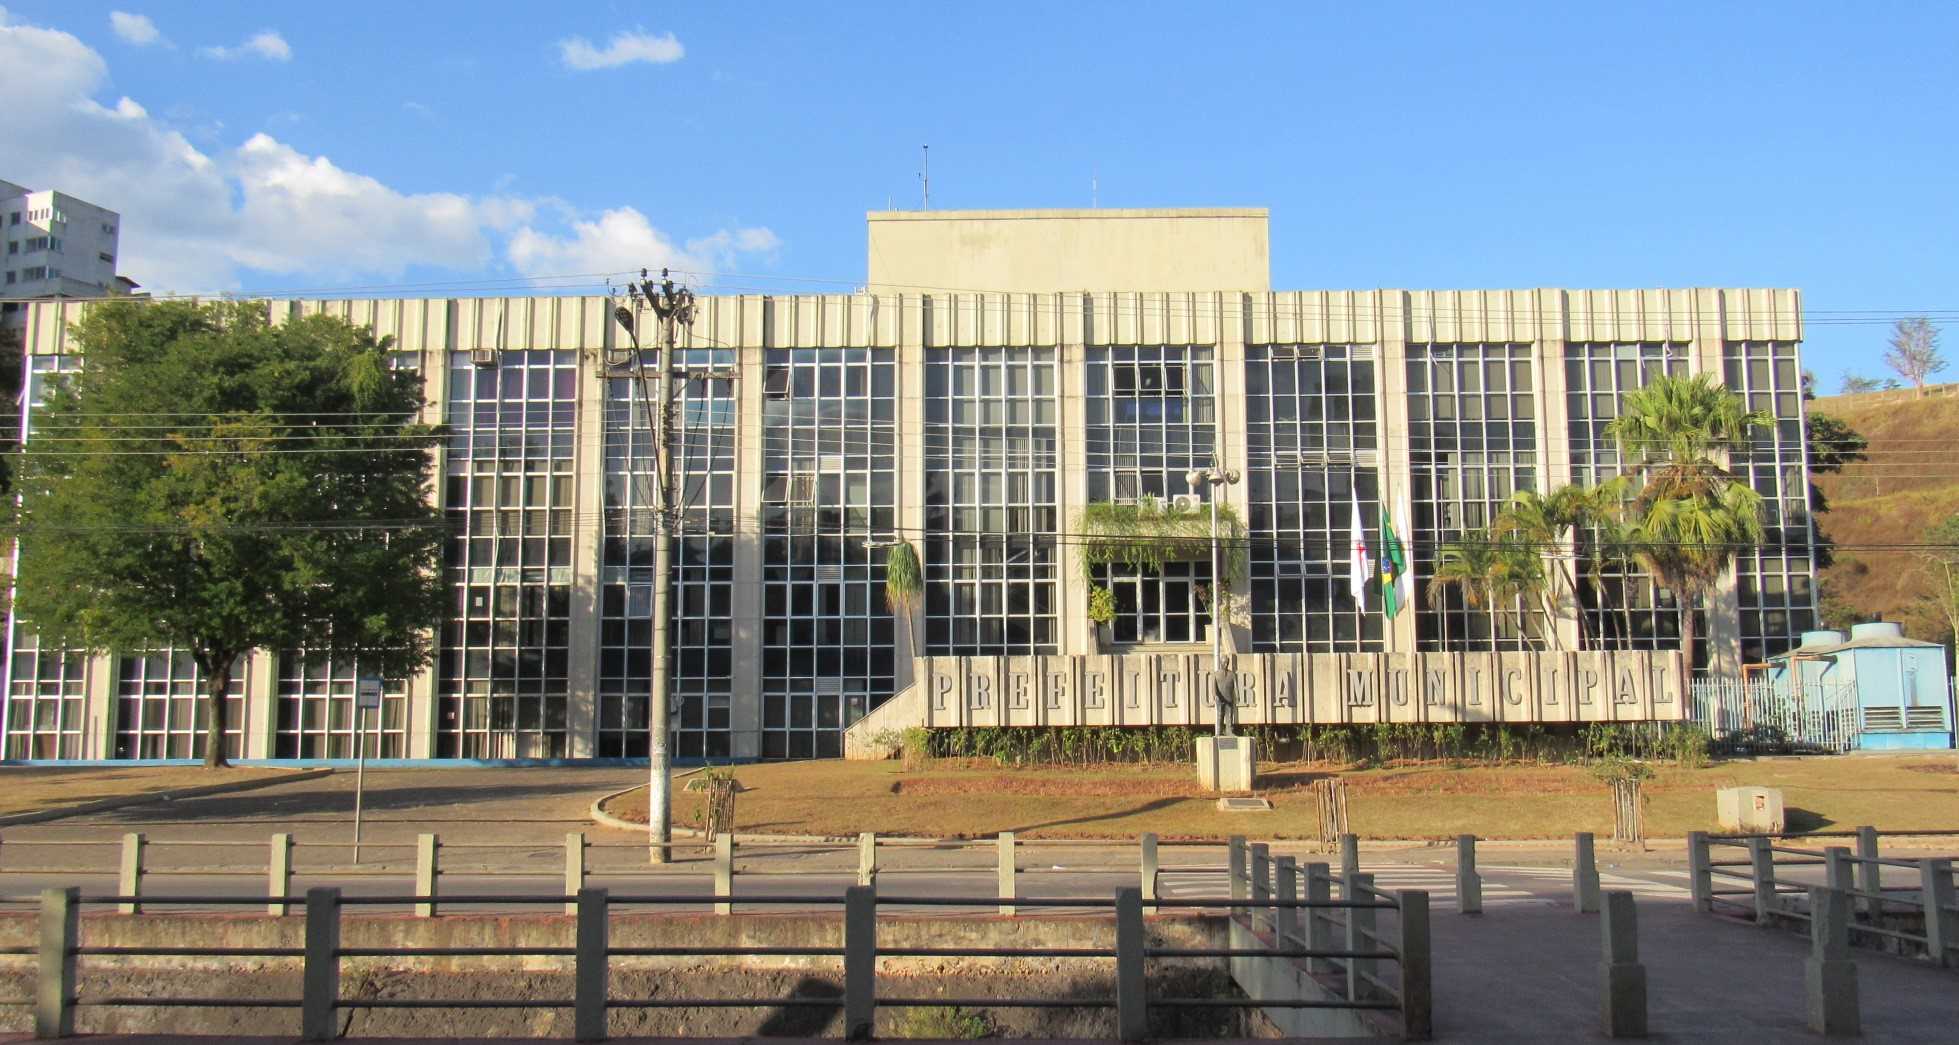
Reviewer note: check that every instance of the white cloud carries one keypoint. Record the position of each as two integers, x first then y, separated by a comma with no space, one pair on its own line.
134,29
622,240
198,219
266,44
418,109
624,49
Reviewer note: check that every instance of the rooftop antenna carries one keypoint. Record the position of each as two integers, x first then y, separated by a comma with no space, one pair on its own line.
925,176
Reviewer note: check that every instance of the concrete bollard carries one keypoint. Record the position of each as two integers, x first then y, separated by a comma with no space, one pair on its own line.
1261,886
1006,872
426,874
1584,874
1469,884
574,869
1941,923
130,881
724,872
1622,978
1285,889
320,976
1417,993
1761,874
1349,854
1354,889
278,876
867,858
1700,871
54,981
859,962
1132,987
1148,869
1869,874
1319,930
1829,973
590,965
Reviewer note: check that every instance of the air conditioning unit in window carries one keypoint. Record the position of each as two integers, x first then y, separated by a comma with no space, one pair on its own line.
1187,501
483,356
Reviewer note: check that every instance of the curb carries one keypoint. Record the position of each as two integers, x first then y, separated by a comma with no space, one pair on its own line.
103,805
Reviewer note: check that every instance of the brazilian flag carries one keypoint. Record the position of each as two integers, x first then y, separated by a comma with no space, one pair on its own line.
1394,568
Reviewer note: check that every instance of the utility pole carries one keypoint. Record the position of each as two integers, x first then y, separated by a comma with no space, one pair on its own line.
674,307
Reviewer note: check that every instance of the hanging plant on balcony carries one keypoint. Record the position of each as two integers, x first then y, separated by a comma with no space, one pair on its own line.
904,581
1145,535
1101,605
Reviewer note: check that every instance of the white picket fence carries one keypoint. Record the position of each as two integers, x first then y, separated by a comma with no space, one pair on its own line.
1777,716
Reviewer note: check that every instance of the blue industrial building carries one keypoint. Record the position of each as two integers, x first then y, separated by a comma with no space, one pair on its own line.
1903,696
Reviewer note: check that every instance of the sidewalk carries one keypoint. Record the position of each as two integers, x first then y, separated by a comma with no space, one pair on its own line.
1530,974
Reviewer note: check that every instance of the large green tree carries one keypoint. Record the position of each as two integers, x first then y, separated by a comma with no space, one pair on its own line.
1691,515
215,482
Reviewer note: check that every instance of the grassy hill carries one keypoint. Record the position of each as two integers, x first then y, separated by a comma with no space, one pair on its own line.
1910,482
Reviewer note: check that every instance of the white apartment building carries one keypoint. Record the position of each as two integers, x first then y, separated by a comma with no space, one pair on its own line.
57,246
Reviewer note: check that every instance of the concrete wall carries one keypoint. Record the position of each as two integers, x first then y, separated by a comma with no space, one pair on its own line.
1064,250
1286,689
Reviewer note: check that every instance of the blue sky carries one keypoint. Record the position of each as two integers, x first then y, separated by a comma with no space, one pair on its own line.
274,146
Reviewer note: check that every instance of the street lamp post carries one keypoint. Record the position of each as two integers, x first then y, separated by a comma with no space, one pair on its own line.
1215,479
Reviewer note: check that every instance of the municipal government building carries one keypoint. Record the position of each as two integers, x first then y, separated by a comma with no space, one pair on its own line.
998,371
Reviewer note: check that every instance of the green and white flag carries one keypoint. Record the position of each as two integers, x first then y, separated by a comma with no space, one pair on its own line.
1397,588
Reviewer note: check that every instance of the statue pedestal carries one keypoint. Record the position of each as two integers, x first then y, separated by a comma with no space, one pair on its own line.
1227,763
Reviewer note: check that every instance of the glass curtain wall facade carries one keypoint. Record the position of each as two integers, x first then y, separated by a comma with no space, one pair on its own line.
1775,582
1151,418
160,707
502,674
992,506
47,709
792,471
1623,608
830,465
1472,442
1311,447
317,713
702,418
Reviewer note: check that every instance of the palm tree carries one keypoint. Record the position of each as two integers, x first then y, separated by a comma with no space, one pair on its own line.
1607,540
1490,571
1691,514
1545,522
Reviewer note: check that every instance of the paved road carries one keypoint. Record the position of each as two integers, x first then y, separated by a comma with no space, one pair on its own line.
1524,971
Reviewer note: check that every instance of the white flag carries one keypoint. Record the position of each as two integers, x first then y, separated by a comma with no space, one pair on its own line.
1361,566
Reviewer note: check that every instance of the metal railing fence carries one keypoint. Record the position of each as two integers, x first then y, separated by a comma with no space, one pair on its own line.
1764,716
1339,940
722,860
1758,878
321,1002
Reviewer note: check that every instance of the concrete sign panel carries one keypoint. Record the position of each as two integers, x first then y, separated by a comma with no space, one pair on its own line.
1176,689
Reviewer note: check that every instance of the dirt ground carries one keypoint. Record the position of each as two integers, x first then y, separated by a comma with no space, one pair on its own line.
972,798
27,789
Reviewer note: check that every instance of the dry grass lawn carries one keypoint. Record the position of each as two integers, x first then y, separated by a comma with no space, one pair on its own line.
26,789
956,799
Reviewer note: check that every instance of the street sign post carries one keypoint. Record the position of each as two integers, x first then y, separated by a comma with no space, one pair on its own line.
367,697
